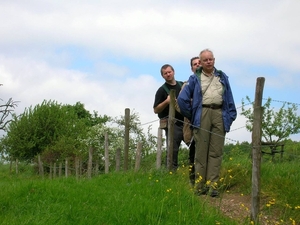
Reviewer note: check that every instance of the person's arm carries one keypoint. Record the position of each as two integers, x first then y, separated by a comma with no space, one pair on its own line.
229,101
184,99
231,104
160,107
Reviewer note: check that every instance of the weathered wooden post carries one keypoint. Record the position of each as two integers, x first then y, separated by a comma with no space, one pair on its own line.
50,170
256,149
77,167
171,122
66,168
54,170
90,162
106,155
126,141
60,169
17,163
159,148
41,168
118,159
97,166
138,157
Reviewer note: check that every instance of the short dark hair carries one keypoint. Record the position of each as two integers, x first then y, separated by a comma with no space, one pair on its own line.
165,67
192,59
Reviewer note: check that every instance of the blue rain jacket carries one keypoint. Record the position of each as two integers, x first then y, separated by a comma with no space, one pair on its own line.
193,109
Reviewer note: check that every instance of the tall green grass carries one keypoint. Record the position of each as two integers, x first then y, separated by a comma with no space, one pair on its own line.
156,197
147,197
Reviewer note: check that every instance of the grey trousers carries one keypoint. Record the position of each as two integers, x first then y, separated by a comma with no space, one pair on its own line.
209,140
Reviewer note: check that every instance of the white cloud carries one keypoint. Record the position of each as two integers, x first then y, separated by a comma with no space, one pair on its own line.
255,31
40,82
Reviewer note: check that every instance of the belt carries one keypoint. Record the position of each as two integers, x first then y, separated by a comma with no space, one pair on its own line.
212,106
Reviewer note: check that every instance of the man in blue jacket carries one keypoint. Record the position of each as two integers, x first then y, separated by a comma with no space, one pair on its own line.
211,113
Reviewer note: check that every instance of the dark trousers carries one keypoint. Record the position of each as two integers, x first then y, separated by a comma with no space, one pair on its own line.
192,162
178,137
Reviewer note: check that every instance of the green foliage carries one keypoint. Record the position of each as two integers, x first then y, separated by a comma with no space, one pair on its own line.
50,128
278,125
236,166
90,119
55,132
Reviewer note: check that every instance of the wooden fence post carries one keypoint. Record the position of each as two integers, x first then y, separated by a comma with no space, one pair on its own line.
41,168
90,163
80,167
54,170
106,155
17,164
66,168
159,148
118,159
138,157
97,166
256,149
126,141
171,122
60,169
77,167
50,170
10,165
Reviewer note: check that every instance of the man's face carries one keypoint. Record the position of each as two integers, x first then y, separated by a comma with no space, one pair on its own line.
207,61
168,74
195,64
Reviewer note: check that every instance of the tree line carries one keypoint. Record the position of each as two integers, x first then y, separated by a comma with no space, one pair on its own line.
55,131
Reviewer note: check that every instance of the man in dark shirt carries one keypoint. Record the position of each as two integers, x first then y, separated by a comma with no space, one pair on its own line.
161,107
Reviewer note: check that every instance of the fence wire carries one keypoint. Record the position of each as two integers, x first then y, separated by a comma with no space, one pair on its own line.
232,130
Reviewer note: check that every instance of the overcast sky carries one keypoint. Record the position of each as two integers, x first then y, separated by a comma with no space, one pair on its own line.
107,54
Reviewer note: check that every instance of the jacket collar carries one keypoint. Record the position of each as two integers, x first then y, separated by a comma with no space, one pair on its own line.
199,71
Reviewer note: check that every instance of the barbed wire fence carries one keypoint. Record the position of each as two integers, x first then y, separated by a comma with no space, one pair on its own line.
243,145
228,140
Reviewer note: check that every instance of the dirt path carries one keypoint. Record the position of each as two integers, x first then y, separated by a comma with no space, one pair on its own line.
238,207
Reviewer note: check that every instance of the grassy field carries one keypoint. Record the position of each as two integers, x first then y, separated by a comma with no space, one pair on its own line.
116,198
146,197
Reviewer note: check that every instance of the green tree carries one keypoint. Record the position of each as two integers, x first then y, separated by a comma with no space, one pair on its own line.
90,119
277,126
40,128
